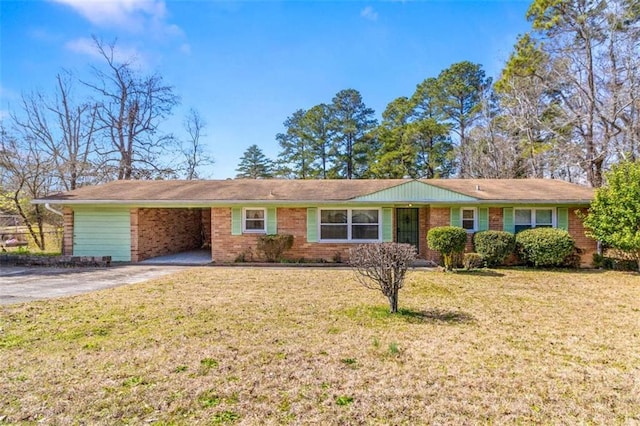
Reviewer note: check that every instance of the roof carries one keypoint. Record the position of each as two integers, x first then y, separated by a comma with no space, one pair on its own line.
515,189
285,190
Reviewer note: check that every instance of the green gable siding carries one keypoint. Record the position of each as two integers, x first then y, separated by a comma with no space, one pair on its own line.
483,219
236,221
414,191
454,217
387,225
102,233
312,225
563,218
507,220
272,221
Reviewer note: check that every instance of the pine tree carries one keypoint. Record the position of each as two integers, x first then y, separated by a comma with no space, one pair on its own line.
254,165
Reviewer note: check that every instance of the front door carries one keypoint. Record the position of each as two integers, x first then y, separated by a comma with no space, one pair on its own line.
407,227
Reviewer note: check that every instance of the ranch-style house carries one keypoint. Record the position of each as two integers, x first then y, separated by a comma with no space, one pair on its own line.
136,220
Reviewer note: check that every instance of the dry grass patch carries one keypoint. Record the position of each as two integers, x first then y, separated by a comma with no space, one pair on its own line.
299,346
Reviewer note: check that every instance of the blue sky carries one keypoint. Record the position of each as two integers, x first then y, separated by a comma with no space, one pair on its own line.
246,66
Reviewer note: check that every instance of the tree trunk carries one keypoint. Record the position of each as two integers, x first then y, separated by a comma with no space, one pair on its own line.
393,302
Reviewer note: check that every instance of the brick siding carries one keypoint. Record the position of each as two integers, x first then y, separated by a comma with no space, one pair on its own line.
495,218
227,247
438,216
67,226
586,245
156,232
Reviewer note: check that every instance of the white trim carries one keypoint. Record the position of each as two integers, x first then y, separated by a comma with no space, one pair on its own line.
244,221
475,219
554,216
349,225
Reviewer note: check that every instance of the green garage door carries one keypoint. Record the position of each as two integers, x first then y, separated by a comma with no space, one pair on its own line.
102,233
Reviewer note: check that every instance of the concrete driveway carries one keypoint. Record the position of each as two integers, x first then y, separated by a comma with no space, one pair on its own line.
23,284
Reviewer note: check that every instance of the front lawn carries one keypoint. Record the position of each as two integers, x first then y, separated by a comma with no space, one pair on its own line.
310,346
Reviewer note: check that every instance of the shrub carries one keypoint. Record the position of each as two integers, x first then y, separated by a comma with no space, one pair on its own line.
614,263
494,246
273,245
382,267
473,261
447,240
544,246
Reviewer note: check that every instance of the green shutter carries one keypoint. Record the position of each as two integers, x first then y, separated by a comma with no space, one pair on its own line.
236,221
387,225
507,220
455,216
563,218
483,219
312,225
272,221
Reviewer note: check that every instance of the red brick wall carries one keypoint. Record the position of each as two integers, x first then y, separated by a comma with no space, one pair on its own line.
224,246
205,219
227,247
156,232
438,216
495,218
423,219
587,246
67,227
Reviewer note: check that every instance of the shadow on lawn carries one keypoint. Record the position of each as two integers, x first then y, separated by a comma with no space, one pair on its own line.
436,316
480,273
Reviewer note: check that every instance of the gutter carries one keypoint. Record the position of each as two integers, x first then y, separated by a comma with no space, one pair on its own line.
211,203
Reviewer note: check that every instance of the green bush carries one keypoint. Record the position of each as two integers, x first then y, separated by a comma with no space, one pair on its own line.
494,246
273,245
448,240
614,263
473,261
544,246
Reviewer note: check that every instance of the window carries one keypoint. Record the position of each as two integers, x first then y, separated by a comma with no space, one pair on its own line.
469,219
349,225
254,220
533,218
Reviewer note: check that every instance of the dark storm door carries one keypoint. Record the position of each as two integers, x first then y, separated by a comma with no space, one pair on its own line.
407,227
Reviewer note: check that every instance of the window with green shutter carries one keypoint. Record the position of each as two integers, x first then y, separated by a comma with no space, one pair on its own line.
454,216
312,225
483,219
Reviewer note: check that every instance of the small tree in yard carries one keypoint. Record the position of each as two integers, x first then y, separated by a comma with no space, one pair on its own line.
383,267
448,240
614,215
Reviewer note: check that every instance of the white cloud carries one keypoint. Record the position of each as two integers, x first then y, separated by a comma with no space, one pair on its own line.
369,13
86,46
132,15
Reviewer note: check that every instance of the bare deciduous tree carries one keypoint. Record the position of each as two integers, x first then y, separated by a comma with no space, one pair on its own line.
383,267
193,149
131,108
26,173
62,129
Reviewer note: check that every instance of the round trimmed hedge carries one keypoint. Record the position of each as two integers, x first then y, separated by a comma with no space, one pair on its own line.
447,240
494,246
544,246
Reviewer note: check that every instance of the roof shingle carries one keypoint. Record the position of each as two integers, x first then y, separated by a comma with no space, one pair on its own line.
314,190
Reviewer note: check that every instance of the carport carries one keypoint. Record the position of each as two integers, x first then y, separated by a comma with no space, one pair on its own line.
158,232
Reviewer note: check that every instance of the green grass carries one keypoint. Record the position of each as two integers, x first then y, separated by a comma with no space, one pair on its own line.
303,346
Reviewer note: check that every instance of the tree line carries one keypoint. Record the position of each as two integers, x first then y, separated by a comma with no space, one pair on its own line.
565,106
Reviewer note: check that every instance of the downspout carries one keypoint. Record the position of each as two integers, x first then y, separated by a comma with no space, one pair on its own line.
51,209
